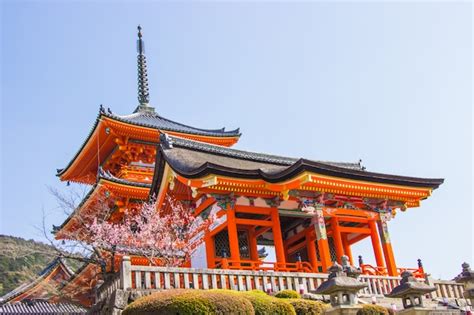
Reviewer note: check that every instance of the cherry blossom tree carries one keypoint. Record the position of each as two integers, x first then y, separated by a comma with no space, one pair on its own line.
165,237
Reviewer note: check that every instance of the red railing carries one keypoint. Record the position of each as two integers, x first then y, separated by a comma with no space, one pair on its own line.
258,265
382,271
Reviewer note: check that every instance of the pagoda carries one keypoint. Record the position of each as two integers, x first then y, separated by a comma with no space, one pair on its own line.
312,212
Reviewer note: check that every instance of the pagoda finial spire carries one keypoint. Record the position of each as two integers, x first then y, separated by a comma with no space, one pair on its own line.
143,93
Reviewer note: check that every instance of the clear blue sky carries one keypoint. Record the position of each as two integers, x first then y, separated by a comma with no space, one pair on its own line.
388,83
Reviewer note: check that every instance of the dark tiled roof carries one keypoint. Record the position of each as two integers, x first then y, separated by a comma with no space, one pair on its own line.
43,274
194,159
41,307
153,120
273,160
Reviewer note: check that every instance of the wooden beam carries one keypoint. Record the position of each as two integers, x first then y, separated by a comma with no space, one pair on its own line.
277,237
336,236
233,236
376,244
204,205
253,222
358,238
218,229
262,231
359,230
252,210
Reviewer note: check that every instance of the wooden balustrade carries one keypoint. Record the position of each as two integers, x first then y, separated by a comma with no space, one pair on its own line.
134,277
148,277
258,265
447,289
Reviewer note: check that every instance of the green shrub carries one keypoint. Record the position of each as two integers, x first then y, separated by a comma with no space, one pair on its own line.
370,309
288,294
264,304
310,307
184,302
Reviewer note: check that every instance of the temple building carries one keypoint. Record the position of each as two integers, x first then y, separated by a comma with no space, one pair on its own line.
312,212
41,296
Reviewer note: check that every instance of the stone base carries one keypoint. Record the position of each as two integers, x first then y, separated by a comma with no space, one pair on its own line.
343,310
427,311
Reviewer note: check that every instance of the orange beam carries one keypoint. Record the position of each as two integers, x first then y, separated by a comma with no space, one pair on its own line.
252,210
204,205
387,249
262,231
210,252
324,253
311,249
233,236
277,237
376,244
359,230
254,222
347,248
218,229
253,244
336,235
358,238
296,237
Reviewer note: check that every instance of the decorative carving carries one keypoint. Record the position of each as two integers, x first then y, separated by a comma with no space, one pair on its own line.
273,202
225,201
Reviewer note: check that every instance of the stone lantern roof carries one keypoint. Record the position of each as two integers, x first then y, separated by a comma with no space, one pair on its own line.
467,274
410,286
341,278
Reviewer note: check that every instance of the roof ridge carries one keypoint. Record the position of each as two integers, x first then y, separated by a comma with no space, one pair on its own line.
244,154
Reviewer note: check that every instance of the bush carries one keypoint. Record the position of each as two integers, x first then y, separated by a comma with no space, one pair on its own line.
370,309
303,306
288,294
264,304
186,302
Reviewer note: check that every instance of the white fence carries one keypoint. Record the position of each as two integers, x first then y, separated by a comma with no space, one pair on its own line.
156,278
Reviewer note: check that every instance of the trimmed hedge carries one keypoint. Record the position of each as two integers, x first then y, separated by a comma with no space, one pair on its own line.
288,294
303,307
268,305
190,302
370,309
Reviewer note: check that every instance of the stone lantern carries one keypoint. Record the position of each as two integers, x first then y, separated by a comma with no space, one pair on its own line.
467,278
411,291
341,287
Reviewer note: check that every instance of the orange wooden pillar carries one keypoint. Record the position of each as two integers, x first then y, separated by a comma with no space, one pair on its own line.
233,236
253,244
322,239
337,237
387,248
277,237
376,244
210,251
347,248
311,249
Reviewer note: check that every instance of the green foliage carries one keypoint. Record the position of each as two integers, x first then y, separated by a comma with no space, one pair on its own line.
303,307
21,260
185,302
370,309
267,305
288,294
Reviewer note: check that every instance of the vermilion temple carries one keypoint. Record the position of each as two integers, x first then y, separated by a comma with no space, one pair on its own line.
312,212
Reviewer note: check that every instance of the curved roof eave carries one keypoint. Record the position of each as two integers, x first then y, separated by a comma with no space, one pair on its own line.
102,176
102,113
301,166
